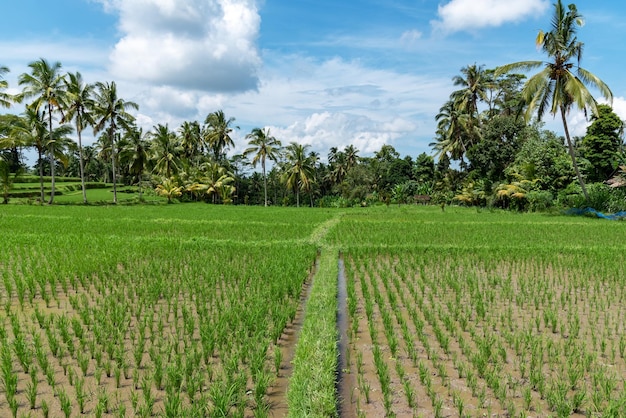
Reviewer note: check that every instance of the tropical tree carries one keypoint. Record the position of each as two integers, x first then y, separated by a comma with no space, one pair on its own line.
299,169
474,82
7,178
602,144
190,135
453,137
217,133
134,153
5,98
352,156
78,105
169,188
46,85
61,144
212,181
111,113
338,166
562,83
32,131
11,143
165,150
264,146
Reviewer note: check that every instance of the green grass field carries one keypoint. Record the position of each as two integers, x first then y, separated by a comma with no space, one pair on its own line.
181,310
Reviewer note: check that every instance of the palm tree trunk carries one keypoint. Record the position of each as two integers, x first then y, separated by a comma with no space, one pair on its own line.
80,159
297,196
51,155
114,177
43,196
264,180
570,148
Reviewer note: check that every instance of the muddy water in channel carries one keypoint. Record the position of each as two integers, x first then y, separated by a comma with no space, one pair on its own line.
345,380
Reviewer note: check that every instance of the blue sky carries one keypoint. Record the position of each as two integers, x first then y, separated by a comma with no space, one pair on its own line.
322,72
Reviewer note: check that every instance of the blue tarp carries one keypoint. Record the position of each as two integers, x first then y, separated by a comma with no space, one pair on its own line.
618,216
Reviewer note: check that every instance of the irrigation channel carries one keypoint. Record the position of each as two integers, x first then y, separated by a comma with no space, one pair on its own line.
345,380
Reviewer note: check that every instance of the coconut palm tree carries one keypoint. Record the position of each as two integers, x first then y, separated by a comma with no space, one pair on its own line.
453,138
217,133
134,153
562,83
191,140
46,85
213,178
169,188
263,146
352,156
165,150
474,83
32,131
299,169
78,105
111,113
5,98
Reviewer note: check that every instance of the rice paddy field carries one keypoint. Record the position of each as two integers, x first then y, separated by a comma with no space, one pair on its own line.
202,310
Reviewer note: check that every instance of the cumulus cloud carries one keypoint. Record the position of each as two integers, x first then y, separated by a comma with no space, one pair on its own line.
336,129
619,107
578,122
335,103
194,44
460,15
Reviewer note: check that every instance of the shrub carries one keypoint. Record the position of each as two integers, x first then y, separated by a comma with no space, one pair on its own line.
599,197
539,200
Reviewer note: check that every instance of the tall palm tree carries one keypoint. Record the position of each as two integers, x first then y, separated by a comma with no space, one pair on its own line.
474,85
165,150
46,85
32,131
453,125
10,140
5,98
191,139
352,156
61,144
111,113
217,133
562,83
78,105
299,170
134,154
263,146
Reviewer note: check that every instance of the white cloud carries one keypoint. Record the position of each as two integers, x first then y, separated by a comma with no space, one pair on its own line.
195,44
337,103
410,38
619,107
460,15
578,123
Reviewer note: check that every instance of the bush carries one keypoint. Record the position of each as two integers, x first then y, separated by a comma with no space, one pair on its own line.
571,196
599,197
539,200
